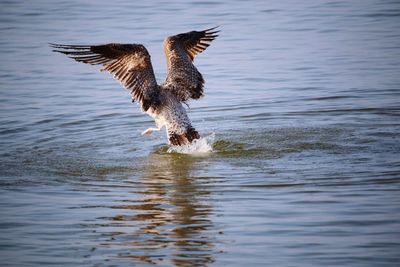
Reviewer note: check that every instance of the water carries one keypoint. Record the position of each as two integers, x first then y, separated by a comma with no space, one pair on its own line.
303,99
202,146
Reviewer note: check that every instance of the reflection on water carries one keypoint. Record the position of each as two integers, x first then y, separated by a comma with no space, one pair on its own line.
171,215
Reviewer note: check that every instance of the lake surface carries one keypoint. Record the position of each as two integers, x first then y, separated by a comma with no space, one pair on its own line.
302,100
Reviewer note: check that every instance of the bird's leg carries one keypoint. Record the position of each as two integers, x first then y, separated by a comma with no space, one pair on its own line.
159,125
150,130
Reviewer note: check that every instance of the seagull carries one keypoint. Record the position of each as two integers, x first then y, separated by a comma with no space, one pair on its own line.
130,64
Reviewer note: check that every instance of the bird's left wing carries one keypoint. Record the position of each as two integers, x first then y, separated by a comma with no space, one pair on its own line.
128,63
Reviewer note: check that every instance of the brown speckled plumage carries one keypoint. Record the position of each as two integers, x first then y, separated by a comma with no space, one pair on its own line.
131,65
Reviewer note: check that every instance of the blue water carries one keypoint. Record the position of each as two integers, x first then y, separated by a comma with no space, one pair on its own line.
303,99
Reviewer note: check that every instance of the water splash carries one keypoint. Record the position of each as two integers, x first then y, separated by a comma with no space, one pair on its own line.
198,146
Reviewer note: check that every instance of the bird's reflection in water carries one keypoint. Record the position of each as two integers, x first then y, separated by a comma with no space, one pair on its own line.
171,221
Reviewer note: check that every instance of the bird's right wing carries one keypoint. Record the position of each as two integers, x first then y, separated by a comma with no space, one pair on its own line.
128,63
183,78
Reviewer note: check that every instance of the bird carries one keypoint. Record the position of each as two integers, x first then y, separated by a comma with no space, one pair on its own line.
130,64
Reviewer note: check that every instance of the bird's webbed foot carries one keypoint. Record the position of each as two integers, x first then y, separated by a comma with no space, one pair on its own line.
150,130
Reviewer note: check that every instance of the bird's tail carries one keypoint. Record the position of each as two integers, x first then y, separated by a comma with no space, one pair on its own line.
183,139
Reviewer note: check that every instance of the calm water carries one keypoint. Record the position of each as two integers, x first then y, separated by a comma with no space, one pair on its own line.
304,102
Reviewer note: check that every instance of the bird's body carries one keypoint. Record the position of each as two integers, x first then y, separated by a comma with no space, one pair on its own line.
173,116
131,65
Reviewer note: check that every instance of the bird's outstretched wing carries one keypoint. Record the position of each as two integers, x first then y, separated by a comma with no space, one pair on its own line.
128,63
183,78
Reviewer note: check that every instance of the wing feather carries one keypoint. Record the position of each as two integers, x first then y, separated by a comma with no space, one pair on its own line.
183,78
128,63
